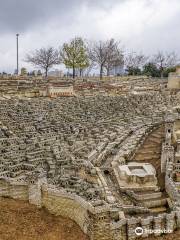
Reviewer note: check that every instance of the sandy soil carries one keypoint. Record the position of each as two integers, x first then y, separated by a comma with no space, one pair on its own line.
22,221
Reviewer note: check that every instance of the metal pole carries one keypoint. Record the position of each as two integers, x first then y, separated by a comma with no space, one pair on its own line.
17,36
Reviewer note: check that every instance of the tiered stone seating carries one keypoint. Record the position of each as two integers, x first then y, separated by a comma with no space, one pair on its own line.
67,135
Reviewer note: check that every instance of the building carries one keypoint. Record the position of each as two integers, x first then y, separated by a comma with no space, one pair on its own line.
56,73
141,176
117,70
57,90
174,79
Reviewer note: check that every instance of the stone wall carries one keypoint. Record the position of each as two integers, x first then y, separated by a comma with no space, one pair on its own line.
174,81
99,221
171,189
164,223
72,207
57,202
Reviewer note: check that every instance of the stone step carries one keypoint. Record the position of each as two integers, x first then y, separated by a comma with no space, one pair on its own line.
146,157
149,151
154,140
158,135
152,203
144,154
142,196
151,145
158,209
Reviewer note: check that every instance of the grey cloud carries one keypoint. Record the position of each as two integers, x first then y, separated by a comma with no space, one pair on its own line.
22,15
19,15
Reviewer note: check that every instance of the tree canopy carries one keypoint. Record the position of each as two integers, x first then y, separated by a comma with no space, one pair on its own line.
151,70
74,55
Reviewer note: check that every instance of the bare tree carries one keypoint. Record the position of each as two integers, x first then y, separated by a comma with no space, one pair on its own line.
165,60
115,55
105,55
134,61
44,58
98,54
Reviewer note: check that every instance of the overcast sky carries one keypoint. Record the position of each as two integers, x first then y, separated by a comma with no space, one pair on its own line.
141,25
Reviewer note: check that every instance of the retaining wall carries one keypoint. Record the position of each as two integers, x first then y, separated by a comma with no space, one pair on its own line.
98,222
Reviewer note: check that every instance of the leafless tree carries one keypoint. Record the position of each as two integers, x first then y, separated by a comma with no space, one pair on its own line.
86,71
98,54
135,60
44,58
105,55
165,60
115,55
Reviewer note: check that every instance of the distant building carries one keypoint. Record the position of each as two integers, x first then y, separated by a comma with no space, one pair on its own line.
117,70
56,73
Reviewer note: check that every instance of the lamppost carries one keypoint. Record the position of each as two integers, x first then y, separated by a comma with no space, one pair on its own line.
17,39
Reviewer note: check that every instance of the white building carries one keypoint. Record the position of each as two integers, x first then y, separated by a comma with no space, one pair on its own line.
56,73
54,91
117,70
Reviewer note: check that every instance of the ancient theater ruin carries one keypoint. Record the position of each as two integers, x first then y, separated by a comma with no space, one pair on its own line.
107,156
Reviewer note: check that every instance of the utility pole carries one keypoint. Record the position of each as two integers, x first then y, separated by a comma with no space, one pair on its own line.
17,39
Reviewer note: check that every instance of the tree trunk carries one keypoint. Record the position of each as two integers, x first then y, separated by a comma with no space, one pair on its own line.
46,72
74,72
161,70
101,72
161,73
108,71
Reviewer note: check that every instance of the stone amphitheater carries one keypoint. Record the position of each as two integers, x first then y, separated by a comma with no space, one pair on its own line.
107,157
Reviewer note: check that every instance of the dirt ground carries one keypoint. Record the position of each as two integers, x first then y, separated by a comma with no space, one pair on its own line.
22,221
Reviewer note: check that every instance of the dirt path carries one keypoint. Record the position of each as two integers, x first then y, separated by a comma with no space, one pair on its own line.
22,221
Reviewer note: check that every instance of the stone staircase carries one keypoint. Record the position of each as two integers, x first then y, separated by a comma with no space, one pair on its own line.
150,152
155,201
